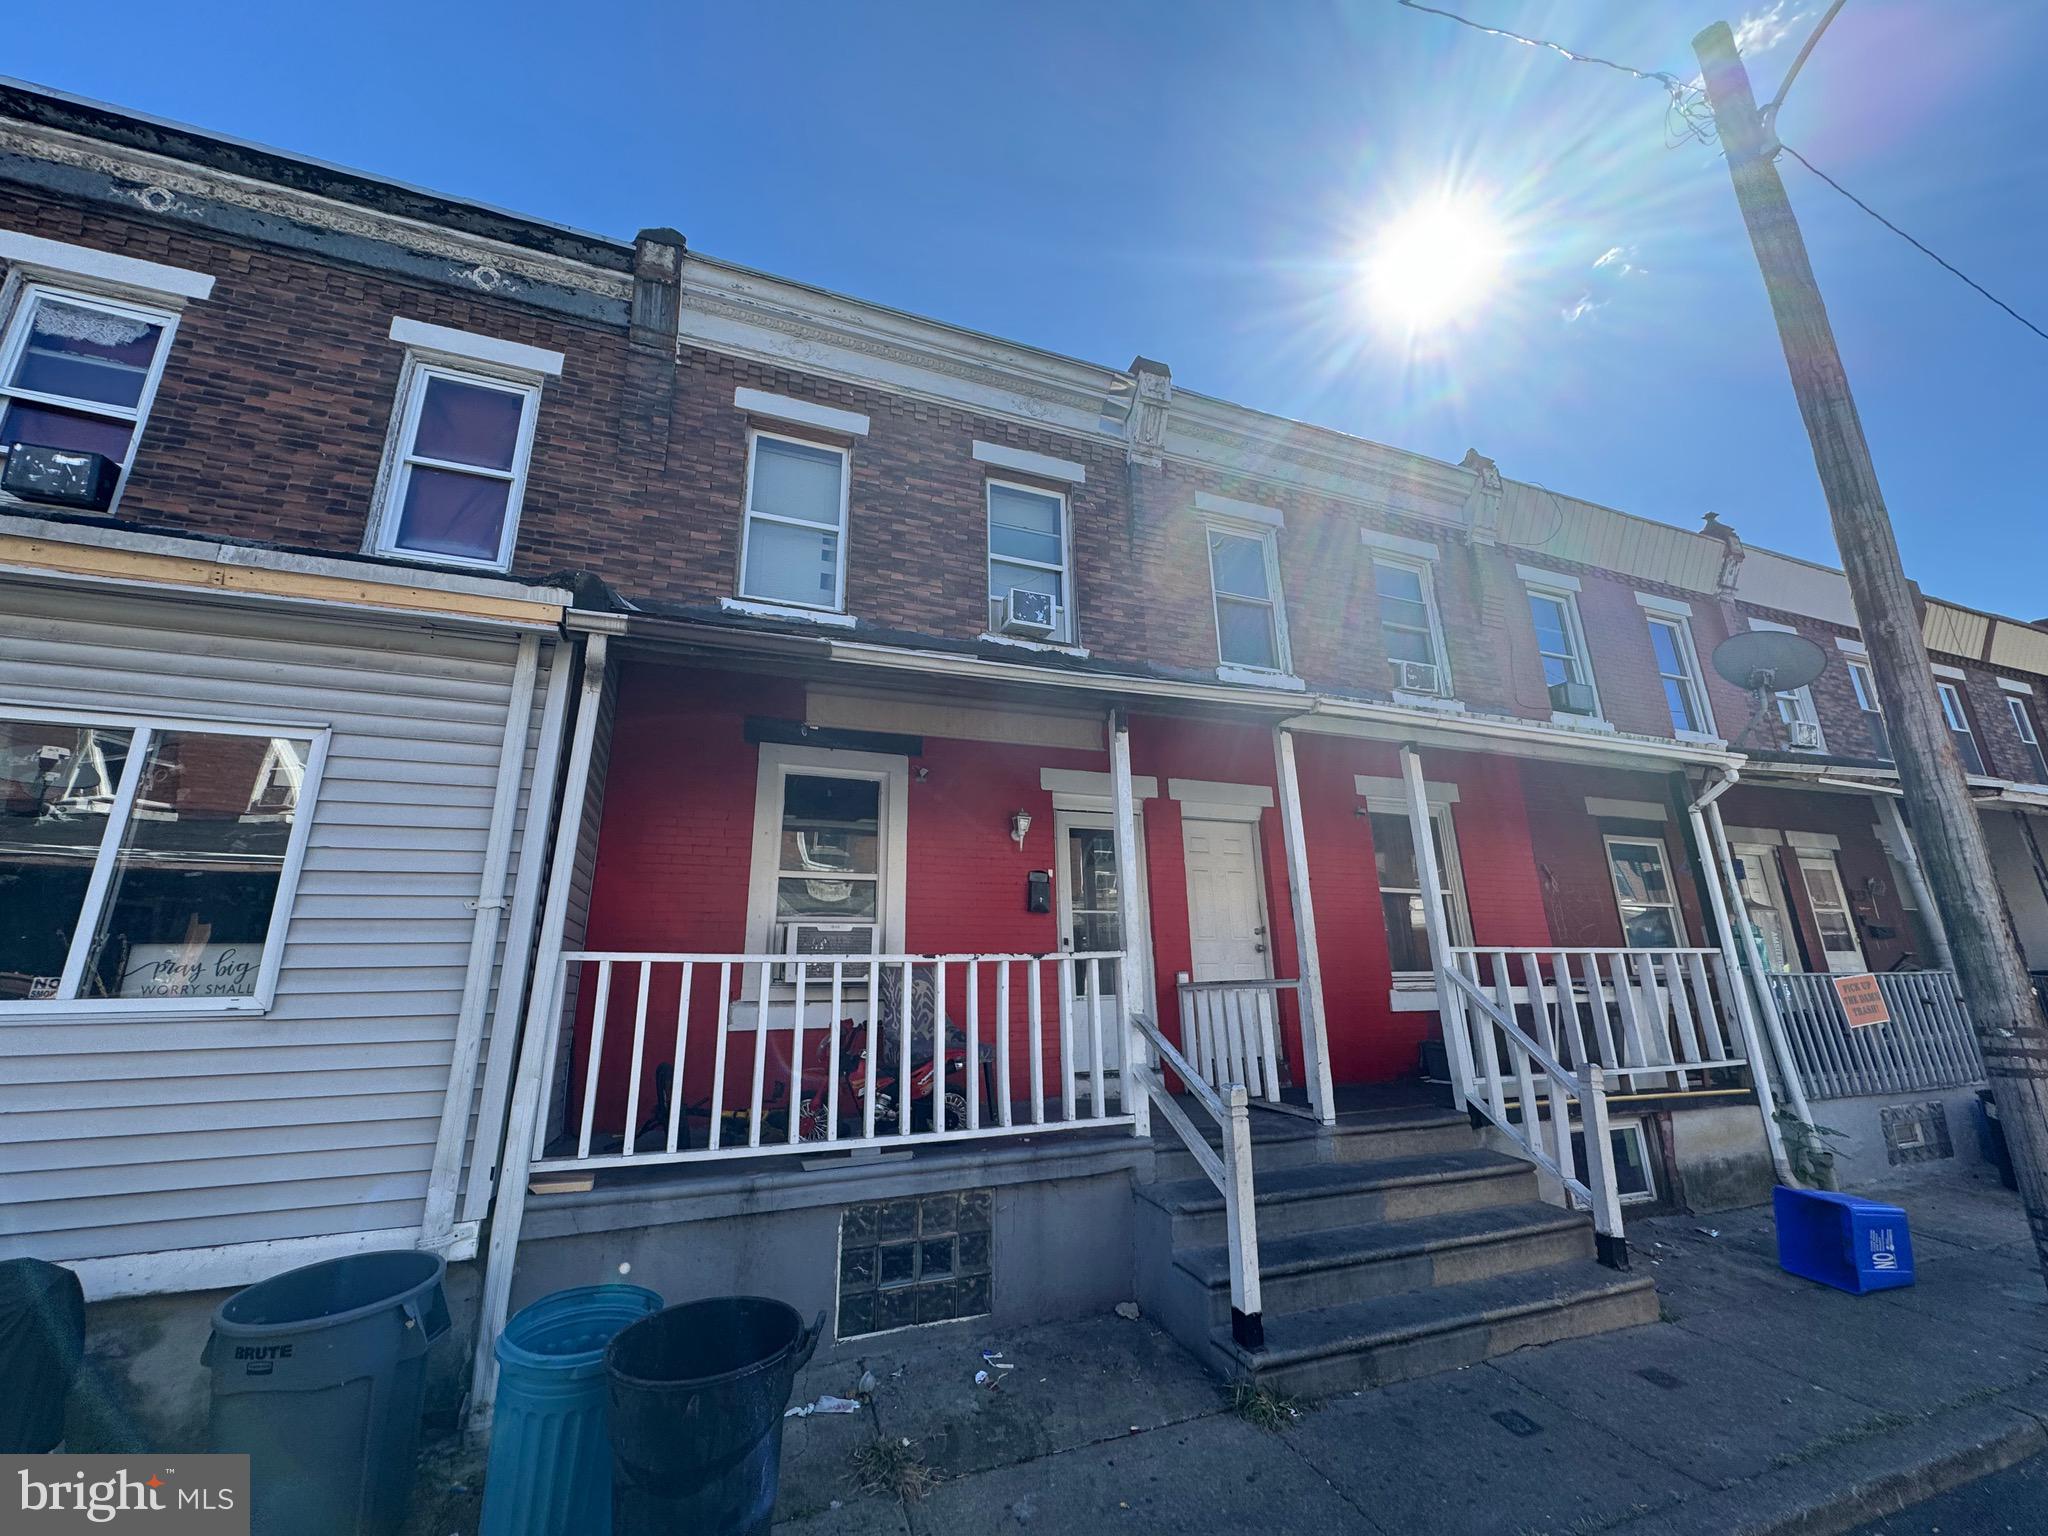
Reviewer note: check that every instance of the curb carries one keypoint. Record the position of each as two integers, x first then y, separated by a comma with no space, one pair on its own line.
1882,1475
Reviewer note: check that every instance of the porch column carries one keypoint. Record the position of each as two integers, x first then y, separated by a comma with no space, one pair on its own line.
1767,1001
536,1044
1902,849
1435,919
1138,992
1739,975
1315,1032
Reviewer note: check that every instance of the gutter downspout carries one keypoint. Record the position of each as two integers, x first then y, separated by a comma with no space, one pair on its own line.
1721,888
536,1047
443,1183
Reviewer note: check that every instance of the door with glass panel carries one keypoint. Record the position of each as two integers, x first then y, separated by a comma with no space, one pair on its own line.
1763,902
1832,918
1091,922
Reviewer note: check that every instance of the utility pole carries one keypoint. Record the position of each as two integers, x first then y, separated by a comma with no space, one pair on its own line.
2009,1023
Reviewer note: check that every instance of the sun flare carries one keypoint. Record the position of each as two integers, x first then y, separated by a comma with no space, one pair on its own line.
1434,265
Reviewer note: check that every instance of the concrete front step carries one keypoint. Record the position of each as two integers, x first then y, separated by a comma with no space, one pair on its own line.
1319,1196
1419,1333
1289,1141
1326,1268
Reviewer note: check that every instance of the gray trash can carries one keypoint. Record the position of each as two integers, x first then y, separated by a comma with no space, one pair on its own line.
318,1375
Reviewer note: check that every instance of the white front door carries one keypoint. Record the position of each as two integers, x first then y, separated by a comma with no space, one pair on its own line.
1226,901
1091,920
1831,914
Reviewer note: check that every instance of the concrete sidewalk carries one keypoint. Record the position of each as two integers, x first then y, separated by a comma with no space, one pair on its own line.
1760,1403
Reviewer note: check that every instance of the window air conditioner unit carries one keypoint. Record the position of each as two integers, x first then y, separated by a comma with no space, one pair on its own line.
1028,613
1418,677
823,942
1572,698
60,476
1804,733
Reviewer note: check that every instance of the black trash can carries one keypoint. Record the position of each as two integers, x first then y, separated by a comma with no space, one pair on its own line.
318,1375
695,1408
42,1341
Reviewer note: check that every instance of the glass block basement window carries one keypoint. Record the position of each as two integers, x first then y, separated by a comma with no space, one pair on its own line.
925,1259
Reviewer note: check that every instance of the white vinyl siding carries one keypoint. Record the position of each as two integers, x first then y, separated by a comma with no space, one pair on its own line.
319,1117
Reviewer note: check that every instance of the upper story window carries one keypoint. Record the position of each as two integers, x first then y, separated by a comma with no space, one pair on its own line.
1959,730
78,373
1795,707
1027,554
1561,643
2030,739
455,465
1244,576
146,863
1678,667
1411,625
1863,683
793,550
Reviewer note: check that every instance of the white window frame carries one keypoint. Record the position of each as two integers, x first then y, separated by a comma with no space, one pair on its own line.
1267,538
778,763
1838,962
748,516
1424,572
388,503
18,302
1958,719
1449,870
1631,1130
1067,632
1567,598
142,728
1612,840
1693,680
2030,738
1800,699
1863,685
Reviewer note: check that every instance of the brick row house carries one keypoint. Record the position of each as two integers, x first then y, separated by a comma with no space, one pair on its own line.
572,753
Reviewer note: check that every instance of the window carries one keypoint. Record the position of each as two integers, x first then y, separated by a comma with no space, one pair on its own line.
794,547
1959,726
1678,667
2030,739
1643,890
1400,881
1633,1180
1561,643
79,372
141,862
1408,620
457,474
1802,725
1027,548
1864,683
1244,575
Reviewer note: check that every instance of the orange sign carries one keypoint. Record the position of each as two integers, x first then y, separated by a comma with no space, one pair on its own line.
1862,1003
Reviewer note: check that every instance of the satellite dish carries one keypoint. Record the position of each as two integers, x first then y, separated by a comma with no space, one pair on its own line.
1769,660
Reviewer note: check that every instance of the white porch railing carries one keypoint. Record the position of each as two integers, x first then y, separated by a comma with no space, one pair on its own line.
1480,1027
1231,1171
1230,1033
1649,1018
1927,1044
831,1051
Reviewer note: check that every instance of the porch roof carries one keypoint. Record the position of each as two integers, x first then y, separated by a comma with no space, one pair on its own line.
923,662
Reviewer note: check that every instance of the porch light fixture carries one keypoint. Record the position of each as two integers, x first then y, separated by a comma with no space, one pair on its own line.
1020,823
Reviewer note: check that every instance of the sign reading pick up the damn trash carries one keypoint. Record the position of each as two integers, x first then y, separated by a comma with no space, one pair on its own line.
178,1495
1863,1002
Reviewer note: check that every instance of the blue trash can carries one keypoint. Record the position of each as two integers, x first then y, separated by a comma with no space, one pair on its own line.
550,1471
1853,1244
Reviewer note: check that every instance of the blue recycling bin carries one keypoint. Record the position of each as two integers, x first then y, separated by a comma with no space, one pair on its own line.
1853,1244
550,1470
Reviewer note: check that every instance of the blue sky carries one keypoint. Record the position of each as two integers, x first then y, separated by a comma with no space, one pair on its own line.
1194,181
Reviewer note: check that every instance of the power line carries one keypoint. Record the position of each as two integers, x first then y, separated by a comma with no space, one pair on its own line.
1687,117
1933,256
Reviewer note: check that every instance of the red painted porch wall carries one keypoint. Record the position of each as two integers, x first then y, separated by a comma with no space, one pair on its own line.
1571,856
